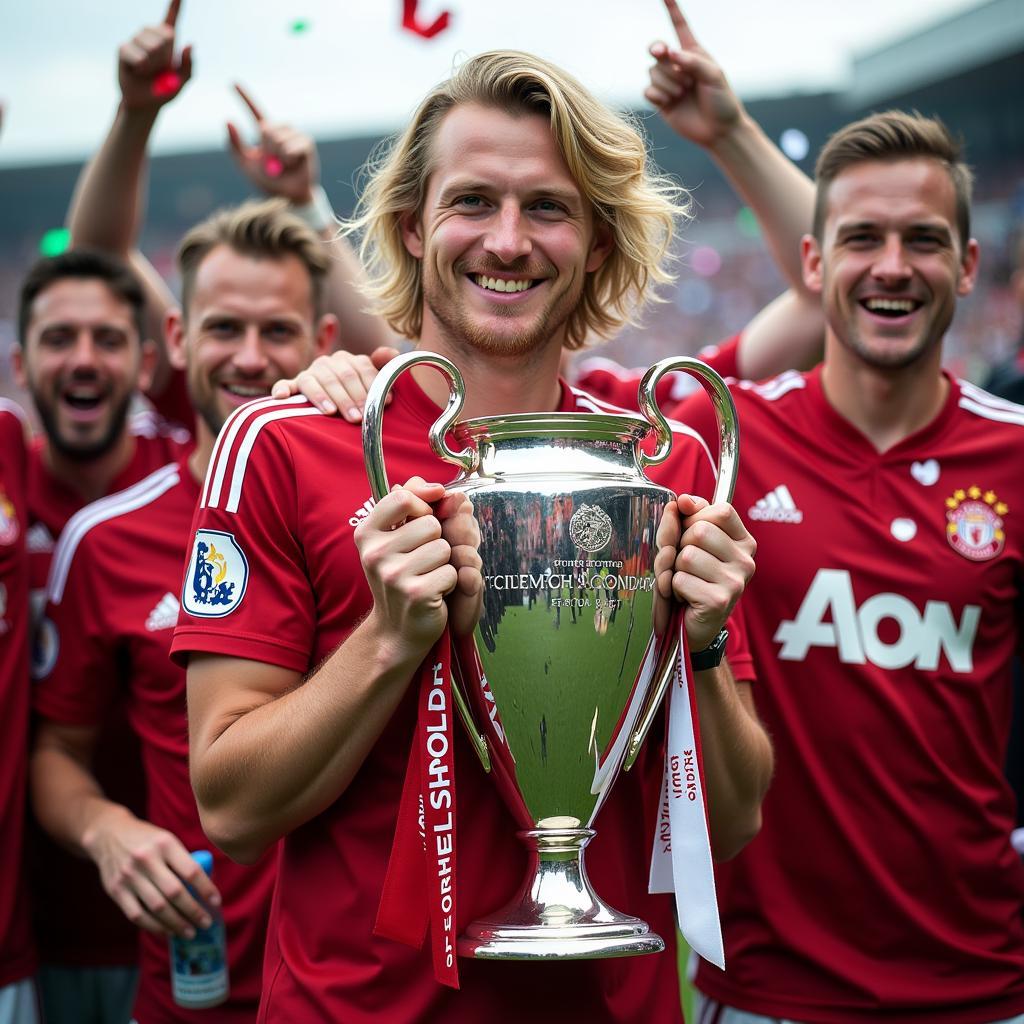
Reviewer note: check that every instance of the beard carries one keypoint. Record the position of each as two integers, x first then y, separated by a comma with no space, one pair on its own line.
520,338
83,451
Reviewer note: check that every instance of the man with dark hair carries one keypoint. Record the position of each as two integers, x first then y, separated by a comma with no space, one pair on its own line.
253,280
883,619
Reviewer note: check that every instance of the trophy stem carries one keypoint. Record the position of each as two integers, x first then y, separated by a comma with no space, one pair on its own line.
556,914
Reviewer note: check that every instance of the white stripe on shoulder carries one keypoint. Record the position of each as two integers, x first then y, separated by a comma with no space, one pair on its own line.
6,405
145,492
588,401
983,397
222,449
774,389
1002,413
677,427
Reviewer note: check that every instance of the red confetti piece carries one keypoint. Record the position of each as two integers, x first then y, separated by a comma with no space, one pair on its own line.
412,24
273,166
166,83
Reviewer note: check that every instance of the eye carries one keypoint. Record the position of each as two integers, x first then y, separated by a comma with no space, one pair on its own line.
859,239
280,331
926,241
56,339
110,340
471,202
221,328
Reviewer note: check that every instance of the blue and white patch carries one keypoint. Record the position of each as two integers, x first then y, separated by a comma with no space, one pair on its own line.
44,648
218,572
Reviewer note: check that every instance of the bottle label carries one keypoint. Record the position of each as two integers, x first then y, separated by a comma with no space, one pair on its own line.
199,972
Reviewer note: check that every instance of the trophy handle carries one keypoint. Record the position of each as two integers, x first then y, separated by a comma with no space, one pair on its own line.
373,456
725,484
725,413
373,417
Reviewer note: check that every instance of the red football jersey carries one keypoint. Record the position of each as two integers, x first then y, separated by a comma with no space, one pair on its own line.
113,603
614,383
17,956
882,617
285,490
76,923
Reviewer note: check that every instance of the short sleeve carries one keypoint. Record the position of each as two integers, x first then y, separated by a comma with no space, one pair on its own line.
246,592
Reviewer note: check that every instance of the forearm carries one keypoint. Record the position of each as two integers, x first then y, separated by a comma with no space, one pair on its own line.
106,208
779,193
788,334
273,767
737,757
67,800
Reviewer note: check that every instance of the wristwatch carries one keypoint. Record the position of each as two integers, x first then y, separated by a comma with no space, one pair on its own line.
712,655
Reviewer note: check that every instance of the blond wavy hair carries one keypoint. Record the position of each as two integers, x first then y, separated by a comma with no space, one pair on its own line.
605,153
262,228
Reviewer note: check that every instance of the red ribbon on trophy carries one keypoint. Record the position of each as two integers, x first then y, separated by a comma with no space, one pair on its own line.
681,860
419,887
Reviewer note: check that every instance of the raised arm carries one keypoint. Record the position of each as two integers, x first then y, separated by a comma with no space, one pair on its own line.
284,162
269,749
107,205
694,97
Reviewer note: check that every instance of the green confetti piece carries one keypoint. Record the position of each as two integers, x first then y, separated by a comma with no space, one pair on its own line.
746,223
299,26
54,242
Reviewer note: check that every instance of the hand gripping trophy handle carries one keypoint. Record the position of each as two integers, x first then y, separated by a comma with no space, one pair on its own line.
373,454
725,484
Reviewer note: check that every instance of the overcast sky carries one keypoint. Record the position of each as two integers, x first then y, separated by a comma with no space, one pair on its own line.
352,69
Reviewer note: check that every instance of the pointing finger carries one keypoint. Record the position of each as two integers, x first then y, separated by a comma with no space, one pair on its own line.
250,103
681,25
171,17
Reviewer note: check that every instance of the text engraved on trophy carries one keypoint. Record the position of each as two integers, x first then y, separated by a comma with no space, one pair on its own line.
590,528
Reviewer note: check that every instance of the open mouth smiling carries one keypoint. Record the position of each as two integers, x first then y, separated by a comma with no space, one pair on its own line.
891,308
502,286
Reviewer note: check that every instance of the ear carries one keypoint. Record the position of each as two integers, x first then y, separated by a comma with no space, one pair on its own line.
18,366
149,358
601,245
327,331
412,233
174,338
810,261
968,268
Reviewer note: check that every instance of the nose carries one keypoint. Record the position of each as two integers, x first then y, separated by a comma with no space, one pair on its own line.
250,358
508,238
891,265
84,354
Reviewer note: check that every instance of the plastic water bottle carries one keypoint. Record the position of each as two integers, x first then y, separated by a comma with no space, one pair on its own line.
199,966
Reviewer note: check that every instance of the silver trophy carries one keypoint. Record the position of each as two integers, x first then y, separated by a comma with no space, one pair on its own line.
565,671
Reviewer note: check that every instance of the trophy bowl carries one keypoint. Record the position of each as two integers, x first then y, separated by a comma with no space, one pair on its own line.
564,673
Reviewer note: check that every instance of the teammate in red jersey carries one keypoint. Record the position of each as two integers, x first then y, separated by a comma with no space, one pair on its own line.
83,356
883,618
252,280
301,656
18,1002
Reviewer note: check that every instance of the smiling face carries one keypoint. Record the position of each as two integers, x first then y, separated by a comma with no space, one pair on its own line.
250,322
81,361
890,264
505,236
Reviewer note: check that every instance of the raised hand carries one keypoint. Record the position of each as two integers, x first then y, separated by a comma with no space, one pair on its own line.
148,72
283,163
689,89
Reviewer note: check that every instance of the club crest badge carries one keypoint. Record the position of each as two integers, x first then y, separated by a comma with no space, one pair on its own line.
974,523
590,528
217,574
8,520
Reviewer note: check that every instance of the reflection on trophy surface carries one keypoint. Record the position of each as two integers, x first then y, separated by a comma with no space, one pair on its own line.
574,648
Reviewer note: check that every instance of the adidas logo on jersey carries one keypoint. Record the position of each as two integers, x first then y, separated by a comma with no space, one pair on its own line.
362,512
777,506
164,615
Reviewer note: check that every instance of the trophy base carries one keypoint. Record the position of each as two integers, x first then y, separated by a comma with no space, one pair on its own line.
557,915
